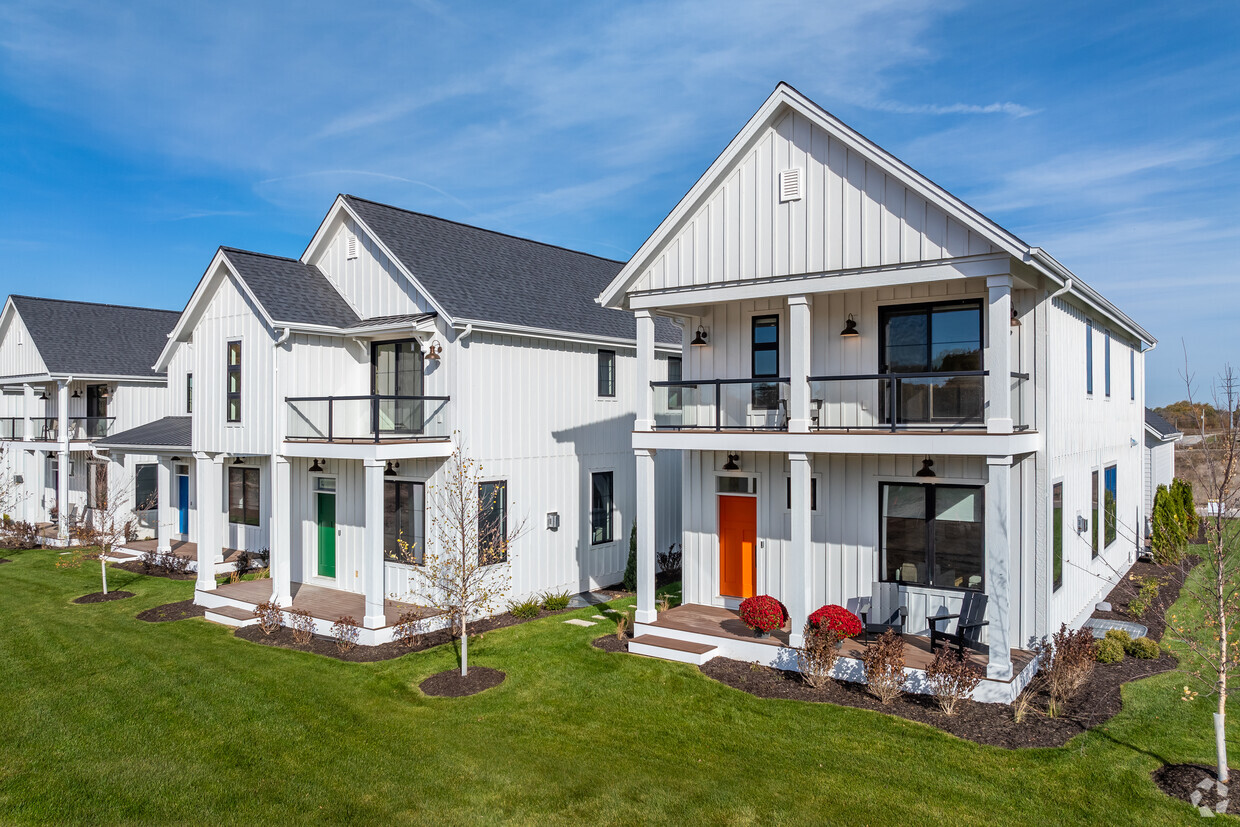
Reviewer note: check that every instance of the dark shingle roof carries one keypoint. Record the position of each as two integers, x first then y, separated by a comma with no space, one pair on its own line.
291,291
483,275
1159,425
169,432
96,339
404,318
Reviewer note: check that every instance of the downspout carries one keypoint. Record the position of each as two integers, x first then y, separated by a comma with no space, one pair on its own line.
465,334
1067,285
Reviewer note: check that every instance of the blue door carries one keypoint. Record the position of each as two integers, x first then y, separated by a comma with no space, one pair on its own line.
183,504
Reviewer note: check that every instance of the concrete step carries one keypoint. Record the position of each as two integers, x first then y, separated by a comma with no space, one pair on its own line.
682,651
231,616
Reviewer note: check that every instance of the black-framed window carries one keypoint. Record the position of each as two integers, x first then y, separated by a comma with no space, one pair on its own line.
1110,480
1089,357
97,485
764,362
933,535
675,373
813,494
1057,536
146,487
243,494
233,388
933,337
1106,362
189,393
607,373
492,522
602,507
404,515
1093,525
396,370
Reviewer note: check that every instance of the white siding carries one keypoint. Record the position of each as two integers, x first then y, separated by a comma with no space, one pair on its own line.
18,355
371,282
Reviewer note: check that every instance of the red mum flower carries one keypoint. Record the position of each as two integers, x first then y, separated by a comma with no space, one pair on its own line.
837,619
762,613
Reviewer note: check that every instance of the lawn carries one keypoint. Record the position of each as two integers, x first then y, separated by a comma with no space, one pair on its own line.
107,719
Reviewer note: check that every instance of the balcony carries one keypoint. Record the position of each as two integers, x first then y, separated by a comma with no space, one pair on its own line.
367,419
722,405
47,428
940,401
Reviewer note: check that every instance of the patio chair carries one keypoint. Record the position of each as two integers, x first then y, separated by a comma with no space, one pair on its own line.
969,624
882,611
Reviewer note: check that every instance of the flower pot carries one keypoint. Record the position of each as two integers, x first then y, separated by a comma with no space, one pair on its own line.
758,633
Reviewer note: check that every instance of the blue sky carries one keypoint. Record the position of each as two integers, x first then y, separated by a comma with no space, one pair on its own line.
136,137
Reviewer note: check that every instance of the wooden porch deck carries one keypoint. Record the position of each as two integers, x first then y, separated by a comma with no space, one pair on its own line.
322,603
725,623
181,548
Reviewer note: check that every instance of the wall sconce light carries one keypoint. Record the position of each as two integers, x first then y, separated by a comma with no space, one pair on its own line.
434,352
927,468
1015,321
43,395
553,521
699,340
390,471
106,392
850,327
175,459
316,468
77,394
731,464
237,461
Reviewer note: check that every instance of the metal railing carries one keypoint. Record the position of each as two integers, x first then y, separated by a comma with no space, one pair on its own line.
722,404
1022,413
12,427
47,428
373,418
928,400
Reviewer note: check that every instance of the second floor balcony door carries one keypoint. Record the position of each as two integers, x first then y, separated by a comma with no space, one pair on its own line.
940,338
397,385
96,410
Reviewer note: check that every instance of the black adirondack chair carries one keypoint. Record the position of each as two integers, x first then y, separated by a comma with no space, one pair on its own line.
969,625
882,611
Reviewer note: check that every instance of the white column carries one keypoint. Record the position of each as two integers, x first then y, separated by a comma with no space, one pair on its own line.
646,612
280,560
372,544
799,339
27,412
999,580
163,493
645,371
999,355
797,563
62,475
210,512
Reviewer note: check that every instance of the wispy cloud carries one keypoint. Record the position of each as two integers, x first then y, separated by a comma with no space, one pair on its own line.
1006,108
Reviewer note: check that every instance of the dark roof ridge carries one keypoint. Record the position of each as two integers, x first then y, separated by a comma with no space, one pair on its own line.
93,304
228,249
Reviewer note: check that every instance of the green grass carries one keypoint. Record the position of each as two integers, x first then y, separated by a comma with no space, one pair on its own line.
106,719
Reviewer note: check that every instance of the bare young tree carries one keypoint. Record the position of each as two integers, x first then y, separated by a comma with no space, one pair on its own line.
465,572
1209,629
112,520
11,491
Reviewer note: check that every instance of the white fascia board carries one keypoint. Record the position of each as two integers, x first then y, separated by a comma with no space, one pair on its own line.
864,278
425,326
108,377
1047,265
383,451
558,335
1175,436
26,378
962,444
144,449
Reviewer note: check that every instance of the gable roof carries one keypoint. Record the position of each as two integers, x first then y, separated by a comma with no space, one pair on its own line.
88,339
290,290
479,275
1159,427
169,432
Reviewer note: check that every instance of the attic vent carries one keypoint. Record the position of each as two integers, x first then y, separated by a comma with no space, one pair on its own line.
790,185
351,245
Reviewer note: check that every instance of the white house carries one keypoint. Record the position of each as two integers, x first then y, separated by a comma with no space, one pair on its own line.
317,399
1158,459
883,386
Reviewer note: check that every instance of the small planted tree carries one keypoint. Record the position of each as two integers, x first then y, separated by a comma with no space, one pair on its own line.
1167,529
111,521
465,573
630,568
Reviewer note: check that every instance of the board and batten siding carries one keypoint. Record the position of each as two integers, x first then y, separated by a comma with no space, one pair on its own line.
370,282
1159,469
852,214
18,355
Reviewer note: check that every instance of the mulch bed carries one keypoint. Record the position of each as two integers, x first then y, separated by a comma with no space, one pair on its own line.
1172,578
100,597
1182,780
180,610
136,567
451,684
610,643
5,560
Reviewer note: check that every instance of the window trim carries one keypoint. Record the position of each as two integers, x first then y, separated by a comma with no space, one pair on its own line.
1057,548
1089,358
92,491
886,310
611,508
1132,374
929,521
765,347
138,469
1106,362
1095,486
610,391
813,493
189,392
245,506
229,370
1110,521
503,488
675,393
420,555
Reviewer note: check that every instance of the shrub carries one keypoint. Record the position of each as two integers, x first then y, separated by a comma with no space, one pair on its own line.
554,602
630,568
525,609
149,560
1147,595
817,654
346,632
952,678
671,559
1119,634
884,666
1168,526
1108,650
838,619
1067,661
302,626
409,629
19,535
1182,490
1143,648
762,613
622,627
270,616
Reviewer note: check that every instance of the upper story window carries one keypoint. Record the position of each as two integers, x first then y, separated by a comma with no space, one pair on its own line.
1132,374
189,393
675,373
607,373
397,381
765,362
943,337
233,385
1106,362
1089,357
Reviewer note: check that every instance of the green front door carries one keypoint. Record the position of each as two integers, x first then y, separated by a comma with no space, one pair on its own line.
327,534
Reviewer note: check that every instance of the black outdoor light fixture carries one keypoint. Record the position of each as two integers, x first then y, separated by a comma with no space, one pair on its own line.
43,395
316,468
927,468
1015,321
699,340
77,394
237,461
731,464
390,471
850,327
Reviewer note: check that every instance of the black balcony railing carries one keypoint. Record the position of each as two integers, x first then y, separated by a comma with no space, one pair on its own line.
935,400
373,418
47,428
12,427
722,404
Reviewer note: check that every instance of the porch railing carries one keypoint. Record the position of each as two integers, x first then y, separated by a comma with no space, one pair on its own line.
373,418
934,400
12,427
722,404
47,428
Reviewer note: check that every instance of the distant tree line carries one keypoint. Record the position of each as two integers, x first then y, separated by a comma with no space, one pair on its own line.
1187,416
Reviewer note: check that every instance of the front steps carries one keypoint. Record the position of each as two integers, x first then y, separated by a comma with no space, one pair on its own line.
231,616
682,651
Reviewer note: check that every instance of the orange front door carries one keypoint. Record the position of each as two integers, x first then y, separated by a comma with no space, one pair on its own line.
738,530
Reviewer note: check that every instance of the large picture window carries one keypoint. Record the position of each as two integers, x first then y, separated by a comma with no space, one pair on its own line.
1093,520
1057,536
146,493
404,516
932,535
97,485
602,507
607,373
933,338
1110,481
492,522
243,496
233,387
765,362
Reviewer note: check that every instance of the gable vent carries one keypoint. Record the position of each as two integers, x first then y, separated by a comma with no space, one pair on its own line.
790,185
351,245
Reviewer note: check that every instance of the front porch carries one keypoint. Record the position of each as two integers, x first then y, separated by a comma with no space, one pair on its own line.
712,631
181,548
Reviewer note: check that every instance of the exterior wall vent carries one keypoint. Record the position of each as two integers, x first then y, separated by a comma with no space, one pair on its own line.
351,244
790,185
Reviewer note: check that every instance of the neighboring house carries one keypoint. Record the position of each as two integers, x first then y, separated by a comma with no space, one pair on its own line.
883,386
317,399
1158,459
72,373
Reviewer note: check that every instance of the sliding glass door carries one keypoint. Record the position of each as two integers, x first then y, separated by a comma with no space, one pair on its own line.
933,338
397,375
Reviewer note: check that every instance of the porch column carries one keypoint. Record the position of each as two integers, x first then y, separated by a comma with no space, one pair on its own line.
372,544
797,566
62,475
999,581
999,356
280,555
645,372
799,340
210,511
27,412
646,612
163,514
